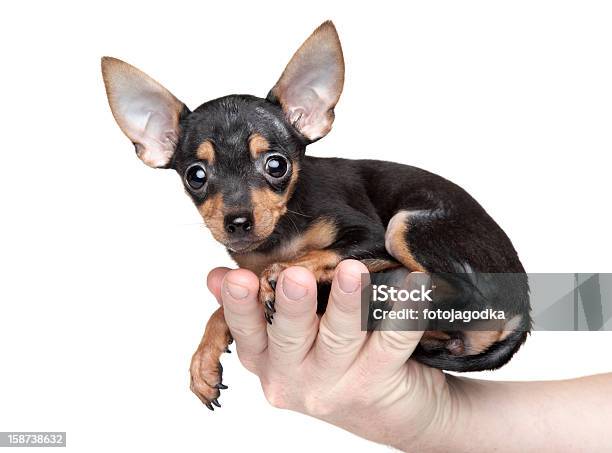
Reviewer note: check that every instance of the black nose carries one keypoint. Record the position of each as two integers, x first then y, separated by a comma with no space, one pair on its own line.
238,224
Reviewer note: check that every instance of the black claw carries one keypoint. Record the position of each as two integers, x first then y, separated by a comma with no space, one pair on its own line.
268,318
215,402
220,386
227,350
270,306
208,405
272,283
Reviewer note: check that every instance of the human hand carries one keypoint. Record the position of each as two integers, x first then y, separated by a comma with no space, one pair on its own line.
329,368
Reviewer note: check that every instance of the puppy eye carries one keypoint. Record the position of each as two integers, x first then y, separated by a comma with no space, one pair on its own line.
195,176
276,166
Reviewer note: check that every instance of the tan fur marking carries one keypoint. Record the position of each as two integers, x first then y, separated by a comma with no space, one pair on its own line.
436,334
474,342
319,235
212,211
512,324
322,263
257,145
396,244
479,341
269,206
206,152
379,265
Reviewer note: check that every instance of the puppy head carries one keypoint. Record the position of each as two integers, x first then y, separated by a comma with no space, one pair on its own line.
238,156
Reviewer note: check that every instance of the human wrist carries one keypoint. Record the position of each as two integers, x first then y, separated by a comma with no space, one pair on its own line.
443,419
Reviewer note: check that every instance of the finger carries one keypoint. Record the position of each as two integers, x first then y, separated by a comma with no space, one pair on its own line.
340,332
243,314
214,281
389,348
295,322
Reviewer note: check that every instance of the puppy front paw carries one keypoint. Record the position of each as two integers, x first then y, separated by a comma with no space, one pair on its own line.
206,370
267,287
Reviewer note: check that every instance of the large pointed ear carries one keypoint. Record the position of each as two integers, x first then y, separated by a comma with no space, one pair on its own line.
312,82
144,110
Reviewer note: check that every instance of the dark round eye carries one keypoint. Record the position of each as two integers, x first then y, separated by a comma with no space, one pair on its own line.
276,166
195,176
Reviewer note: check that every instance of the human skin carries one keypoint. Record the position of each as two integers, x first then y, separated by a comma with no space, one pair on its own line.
330,369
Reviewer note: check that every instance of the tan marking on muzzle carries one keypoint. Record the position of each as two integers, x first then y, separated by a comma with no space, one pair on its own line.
269,206
213,213
319,235
206,152
257,145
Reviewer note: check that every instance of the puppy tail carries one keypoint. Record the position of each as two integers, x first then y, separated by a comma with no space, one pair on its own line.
494,357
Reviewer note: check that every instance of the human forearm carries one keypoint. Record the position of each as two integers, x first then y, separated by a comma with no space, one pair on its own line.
568,415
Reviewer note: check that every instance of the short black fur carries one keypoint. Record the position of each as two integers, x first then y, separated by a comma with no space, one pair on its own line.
359,197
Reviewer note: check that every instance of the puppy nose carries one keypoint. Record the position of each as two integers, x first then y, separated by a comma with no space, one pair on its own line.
238,223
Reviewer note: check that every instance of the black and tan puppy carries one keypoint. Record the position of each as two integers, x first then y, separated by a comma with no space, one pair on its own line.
242,160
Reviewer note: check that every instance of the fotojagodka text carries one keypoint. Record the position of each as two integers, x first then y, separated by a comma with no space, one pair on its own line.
392,295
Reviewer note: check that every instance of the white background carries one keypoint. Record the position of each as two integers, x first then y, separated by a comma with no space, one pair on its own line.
103,260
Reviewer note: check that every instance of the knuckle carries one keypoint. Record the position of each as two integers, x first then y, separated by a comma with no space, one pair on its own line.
248,363
275,395
397,341
288,344
332,341
239,331
318,407
346,304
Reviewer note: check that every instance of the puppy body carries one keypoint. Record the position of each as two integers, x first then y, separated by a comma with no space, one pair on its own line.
387,214
242,160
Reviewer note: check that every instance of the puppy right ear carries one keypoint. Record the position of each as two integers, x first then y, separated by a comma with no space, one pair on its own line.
144,110
312,82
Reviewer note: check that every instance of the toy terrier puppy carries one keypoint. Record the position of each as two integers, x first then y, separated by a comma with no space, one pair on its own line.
242,161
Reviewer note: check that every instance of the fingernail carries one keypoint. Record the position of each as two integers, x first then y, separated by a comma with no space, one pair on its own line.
237,291
347,282
293,290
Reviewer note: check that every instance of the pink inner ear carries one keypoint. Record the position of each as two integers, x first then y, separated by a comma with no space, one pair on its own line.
153,131
308,108
312,83
145,111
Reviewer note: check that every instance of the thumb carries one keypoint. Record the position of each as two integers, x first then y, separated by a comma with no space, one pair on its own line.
214,281
392,344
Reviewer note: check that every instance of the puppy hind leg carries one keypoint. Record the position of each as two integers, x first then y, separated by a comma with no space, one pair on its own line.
396,240
396,243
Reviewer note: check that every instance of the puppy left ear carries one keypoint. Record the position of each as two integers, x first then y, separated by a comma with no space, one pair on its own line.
144,110
312,82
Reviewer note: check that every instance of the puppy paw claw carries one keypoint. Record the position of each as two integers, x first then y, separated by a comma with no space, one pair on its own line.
206,378
267,289
269,304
